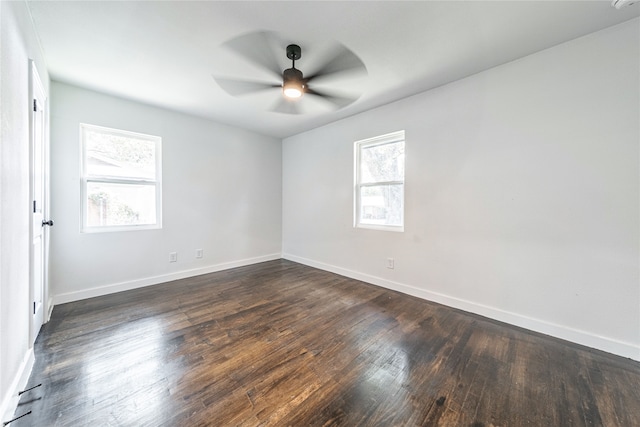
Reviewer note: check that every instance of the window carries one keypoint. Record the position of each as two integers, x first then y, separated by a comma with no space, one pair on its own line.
121,174
379,182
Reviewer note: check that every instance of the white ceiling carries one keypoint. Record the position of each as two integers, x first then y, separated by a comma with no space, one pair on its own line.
164,53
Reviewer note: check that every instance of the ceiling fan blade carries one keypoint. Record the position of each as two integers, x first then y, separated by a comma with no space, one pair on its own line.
286,107
237,87
339,101
342,60
257,48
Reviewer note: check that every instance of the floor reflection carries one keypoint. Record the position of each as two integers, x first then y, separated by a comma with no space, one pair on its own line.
123,371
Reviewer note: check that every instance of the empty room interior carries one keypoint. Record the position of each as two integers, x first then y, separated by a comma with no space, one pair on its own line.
320,213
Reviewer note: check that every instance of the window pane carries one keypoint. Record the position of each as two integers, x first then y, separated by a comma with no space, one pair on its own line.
382,204
119,155
382,162
120,204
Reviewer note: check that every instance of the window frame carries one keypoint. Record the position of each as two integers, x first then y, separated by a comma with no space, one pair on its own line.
390,138
85,179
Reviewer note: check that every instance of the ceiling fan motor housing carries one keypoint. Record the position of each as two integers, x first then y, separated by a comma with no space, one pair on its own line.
292,74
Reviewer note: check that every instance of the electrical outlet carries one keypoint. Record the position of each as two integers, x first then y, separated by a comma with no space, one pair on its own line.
390,263
173,256
199,253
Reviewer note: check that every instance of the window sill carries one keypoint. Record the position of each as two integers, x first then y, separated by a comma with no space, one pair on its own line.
118,228
395,228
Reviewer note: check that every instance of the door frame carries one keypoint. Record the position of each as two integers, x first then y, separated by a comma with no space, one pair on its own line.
35,85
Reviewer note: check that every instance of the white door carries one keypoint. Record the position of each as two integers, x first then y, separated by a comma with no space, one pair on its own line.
39,226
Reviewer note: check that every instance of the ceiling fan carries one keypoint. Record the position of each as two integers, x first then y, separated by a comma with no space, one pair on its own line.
290,86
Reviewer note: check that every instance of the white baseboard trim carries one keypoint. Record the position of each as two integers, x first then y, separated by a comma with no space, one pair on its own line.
19,382
149,281
50,305
585,338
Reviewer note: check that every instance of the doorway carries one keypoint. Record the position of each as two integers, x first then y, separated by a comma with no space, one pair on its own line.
39,202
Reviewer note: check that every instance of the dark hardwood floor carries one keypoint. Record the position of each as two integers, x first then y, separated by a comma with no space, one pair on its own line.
282,344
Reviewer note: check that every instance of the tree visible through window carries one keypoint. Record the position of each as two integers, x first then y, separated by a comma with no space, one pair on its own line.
121,179
379,176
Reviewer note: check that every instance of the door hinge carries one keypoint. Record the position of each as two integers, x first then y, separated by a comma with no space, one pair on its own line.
34,307
35,105
34,206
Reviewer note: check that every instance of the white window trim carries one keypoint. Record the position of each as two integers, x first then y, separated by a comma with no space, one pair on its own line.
372,142
84,180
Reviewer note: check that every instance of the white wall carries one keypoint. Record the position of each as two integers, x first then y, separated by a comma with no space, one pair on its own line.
522,193
222,192
18,44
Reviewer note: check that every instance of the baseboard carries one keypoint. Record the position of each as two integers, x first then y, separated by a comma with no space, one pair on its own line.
149,281
50,305
587,339
19,382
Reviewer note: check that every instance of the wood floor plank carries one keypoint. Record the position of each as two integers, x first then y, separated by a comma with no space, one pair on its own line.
282,344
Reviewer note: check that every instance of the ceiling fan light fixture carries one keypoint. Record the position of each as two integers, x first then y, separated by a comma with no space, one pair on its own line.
292,92
292,83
